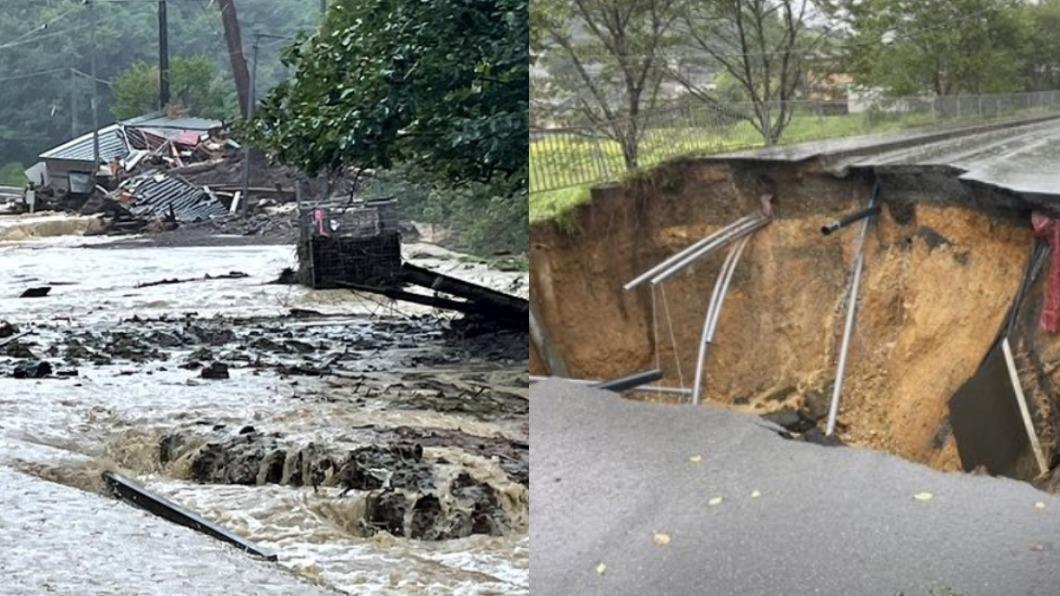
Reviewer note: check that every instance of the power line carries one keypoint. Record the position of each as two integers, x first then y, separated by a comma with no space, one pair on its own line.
40,37
30,75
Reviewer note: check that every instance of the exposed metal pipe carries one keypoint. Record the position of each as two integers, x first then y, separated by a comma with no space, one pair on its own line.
688,260
644,388
643,277
545,347
725,287
852,304
846,220
630,381
704,336
1025,413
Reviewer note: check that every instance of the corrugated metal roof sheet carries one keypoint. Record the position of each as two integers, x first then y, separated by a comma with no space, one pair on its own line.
178,124
111,145
157,194
112,138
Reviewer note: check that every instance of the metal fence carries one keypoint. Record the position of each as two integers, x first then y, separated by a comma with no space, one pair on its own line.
588,154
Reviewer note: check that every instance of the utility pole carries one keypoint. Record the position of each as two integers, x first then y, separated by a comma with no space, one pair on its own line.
323,7
73,104
95,96
163,56
250,114
234,39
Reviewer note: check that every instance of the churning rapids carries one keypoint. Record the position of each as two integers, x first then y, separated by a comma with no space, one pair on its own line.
376,448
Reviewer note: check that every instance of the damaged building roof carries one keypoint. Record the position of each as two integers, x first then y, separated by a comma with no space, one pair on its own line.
113,142
111,145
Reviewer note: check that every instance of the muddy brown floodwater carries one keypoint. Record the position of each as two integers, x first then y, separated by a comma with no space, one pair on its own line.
377,448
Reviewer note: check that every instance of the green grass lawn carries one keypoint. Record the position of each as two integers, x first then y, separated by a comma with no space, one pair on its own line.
568,164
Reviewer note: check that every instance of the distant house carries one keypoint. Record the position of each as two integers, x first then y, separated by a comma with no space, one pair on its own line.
69,167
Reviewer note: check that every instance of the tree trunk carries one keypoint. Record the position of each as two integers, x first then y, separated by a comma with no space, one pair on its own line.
629,147
234,39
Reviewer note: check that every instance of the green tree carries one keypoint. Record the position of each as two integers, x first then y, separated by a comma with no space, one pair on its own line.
440,85
759,45
40,111
1041,48
13,174
945,47
194,85
605,58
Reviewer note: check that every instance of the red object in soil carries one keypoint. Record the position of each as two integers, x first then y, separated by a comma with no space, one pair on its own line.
1049,228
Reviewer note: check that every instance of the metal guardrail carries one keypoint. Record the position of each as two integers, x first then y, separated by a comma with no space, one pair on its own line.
580,154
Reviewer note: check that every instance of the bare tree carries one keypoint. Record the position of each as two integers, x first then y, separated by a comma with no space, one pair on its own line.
761,44
614,49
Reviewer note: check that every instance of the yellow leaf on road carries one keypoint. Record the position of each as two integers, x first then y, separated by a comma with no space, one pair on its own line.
1039,505
923,496
715,501
695,459
601,569
662,539
755,494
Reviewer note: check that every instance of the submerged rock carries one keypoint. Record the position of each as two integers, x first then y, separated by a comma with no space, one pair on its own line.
34,369
7,329
216,370
404,493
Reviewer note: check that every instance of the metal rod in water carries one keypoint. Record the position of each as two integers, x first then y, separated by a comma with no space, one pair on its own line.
708,319
675,269
643,277
139,496
848,329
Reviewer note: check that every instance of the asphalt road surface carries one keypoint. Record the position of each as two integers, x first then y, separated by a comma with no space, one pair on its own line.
619,506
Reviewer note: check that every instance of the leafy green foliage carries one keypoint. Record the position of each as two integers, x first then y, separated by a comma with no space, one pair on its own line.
945,47
487,222
42,111
13,174
440,85
194,85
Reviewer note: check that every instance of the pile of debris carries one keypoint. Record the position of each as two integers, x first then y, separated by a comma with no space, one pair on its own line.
149,172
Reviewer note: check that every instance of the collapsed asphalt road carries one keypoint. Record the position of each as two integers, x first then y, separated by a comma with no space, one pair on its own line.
637,498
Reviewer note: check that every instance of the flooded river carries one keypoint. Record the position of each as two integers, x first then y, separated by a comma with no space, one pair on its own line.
375,447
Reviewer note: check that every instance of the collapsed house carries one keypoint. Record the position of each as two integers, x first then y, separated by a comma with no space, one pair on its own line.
124,147
136,179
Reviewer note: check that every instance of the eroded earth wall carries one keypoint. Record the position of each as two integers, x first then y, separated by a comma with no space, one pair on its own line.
939,277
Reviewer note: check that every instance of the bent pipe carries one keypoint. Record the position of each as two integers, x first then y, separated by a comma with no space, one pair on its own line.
846,220
665,263
630,381
134,494
852,306
708,322
683,263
